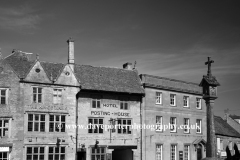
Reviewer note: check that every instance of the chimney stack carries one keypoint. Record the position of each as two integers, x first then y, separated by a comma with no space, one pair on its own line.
70,42
127,66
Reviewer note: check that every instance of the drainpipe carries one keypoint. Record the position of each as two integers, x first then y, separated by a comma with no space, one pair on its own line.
141,138
76,157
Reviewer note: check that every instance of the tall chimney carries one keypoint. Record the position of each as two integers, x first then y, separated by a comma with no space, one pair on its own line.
127,66
70,42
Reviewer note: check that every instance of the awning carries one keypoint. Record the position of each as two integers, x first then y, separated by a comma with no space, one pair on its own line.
200,141
123,147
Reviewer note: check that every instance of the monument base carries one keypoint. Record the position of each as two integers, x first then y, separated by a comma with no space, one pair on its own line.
212,158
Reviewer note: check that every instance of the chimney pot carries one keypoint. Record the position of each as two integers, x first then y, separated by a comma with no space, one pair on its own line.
127,66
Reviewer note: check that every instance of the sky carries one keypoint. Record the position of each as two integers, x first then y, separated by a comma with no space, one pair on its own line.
170,38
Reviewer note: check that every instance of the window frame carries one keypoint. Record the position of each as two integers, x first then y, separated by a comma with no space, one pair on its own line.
53,154
33,152
57,125
198,104
5,128
175,127
161,151
95,126
174,99
96,154
188,152
186,100
37,94
34,121
57,98
186,130
97,101
200,128
4,96
159,125
175,146
158,98
121,127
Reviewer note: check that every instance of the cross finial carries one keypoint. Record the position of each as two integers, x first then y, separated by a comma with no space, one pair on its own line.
209,66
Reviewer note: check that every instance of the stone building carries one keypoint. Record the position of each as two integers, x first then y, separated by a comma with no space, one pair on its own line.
39,102
173,104
226,136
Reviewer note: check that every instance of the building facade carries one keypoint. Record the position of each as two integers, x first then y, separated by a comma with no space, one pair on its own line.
226,136
173,104
46,110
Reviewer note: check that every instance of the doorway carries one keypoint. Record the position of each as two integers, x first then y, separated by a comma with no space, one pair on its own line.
122,154
81,155
199,152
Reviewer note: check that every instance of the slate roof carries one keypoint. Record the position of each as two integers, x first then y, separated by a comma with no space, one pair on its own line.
210,80
234,116
170,84
52,69
89,77
223,128
20,63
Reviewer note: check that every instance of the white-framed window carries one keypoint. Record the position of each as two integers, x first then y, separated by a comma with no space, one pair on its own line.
37,94
3,96
173,99
199,125
230,145
36,122
56,153
98,153
57,123
186,125
4,156
159,123
95,125
35,153
173,124
159,152
124,126
185,101
96,102
57,96
4,127
124,104
158,97
198,103
186,152
173,152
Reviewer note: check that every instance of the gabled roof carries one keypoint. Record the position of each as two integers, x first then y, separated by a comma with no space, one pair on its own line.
223,128
53,70
89,77
210,80
20,63
108,79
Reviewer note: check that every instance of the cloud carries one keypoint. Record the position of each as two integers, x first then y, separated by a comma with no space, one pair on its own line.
20,18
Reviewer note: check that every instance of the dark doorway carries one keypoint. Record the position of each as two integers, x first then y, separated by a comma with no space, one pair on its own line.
81,155
122,154
199,152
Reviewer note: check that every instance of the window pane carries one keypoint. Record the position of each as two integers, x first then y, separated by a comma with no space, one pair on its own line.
29,150
50,149
30,117
30,126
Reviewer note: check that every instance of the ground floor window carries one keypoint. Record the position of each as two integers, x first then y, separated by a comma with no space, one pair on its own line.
173,152
56,153
35,153
159,152
3,155
186,152
98,153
